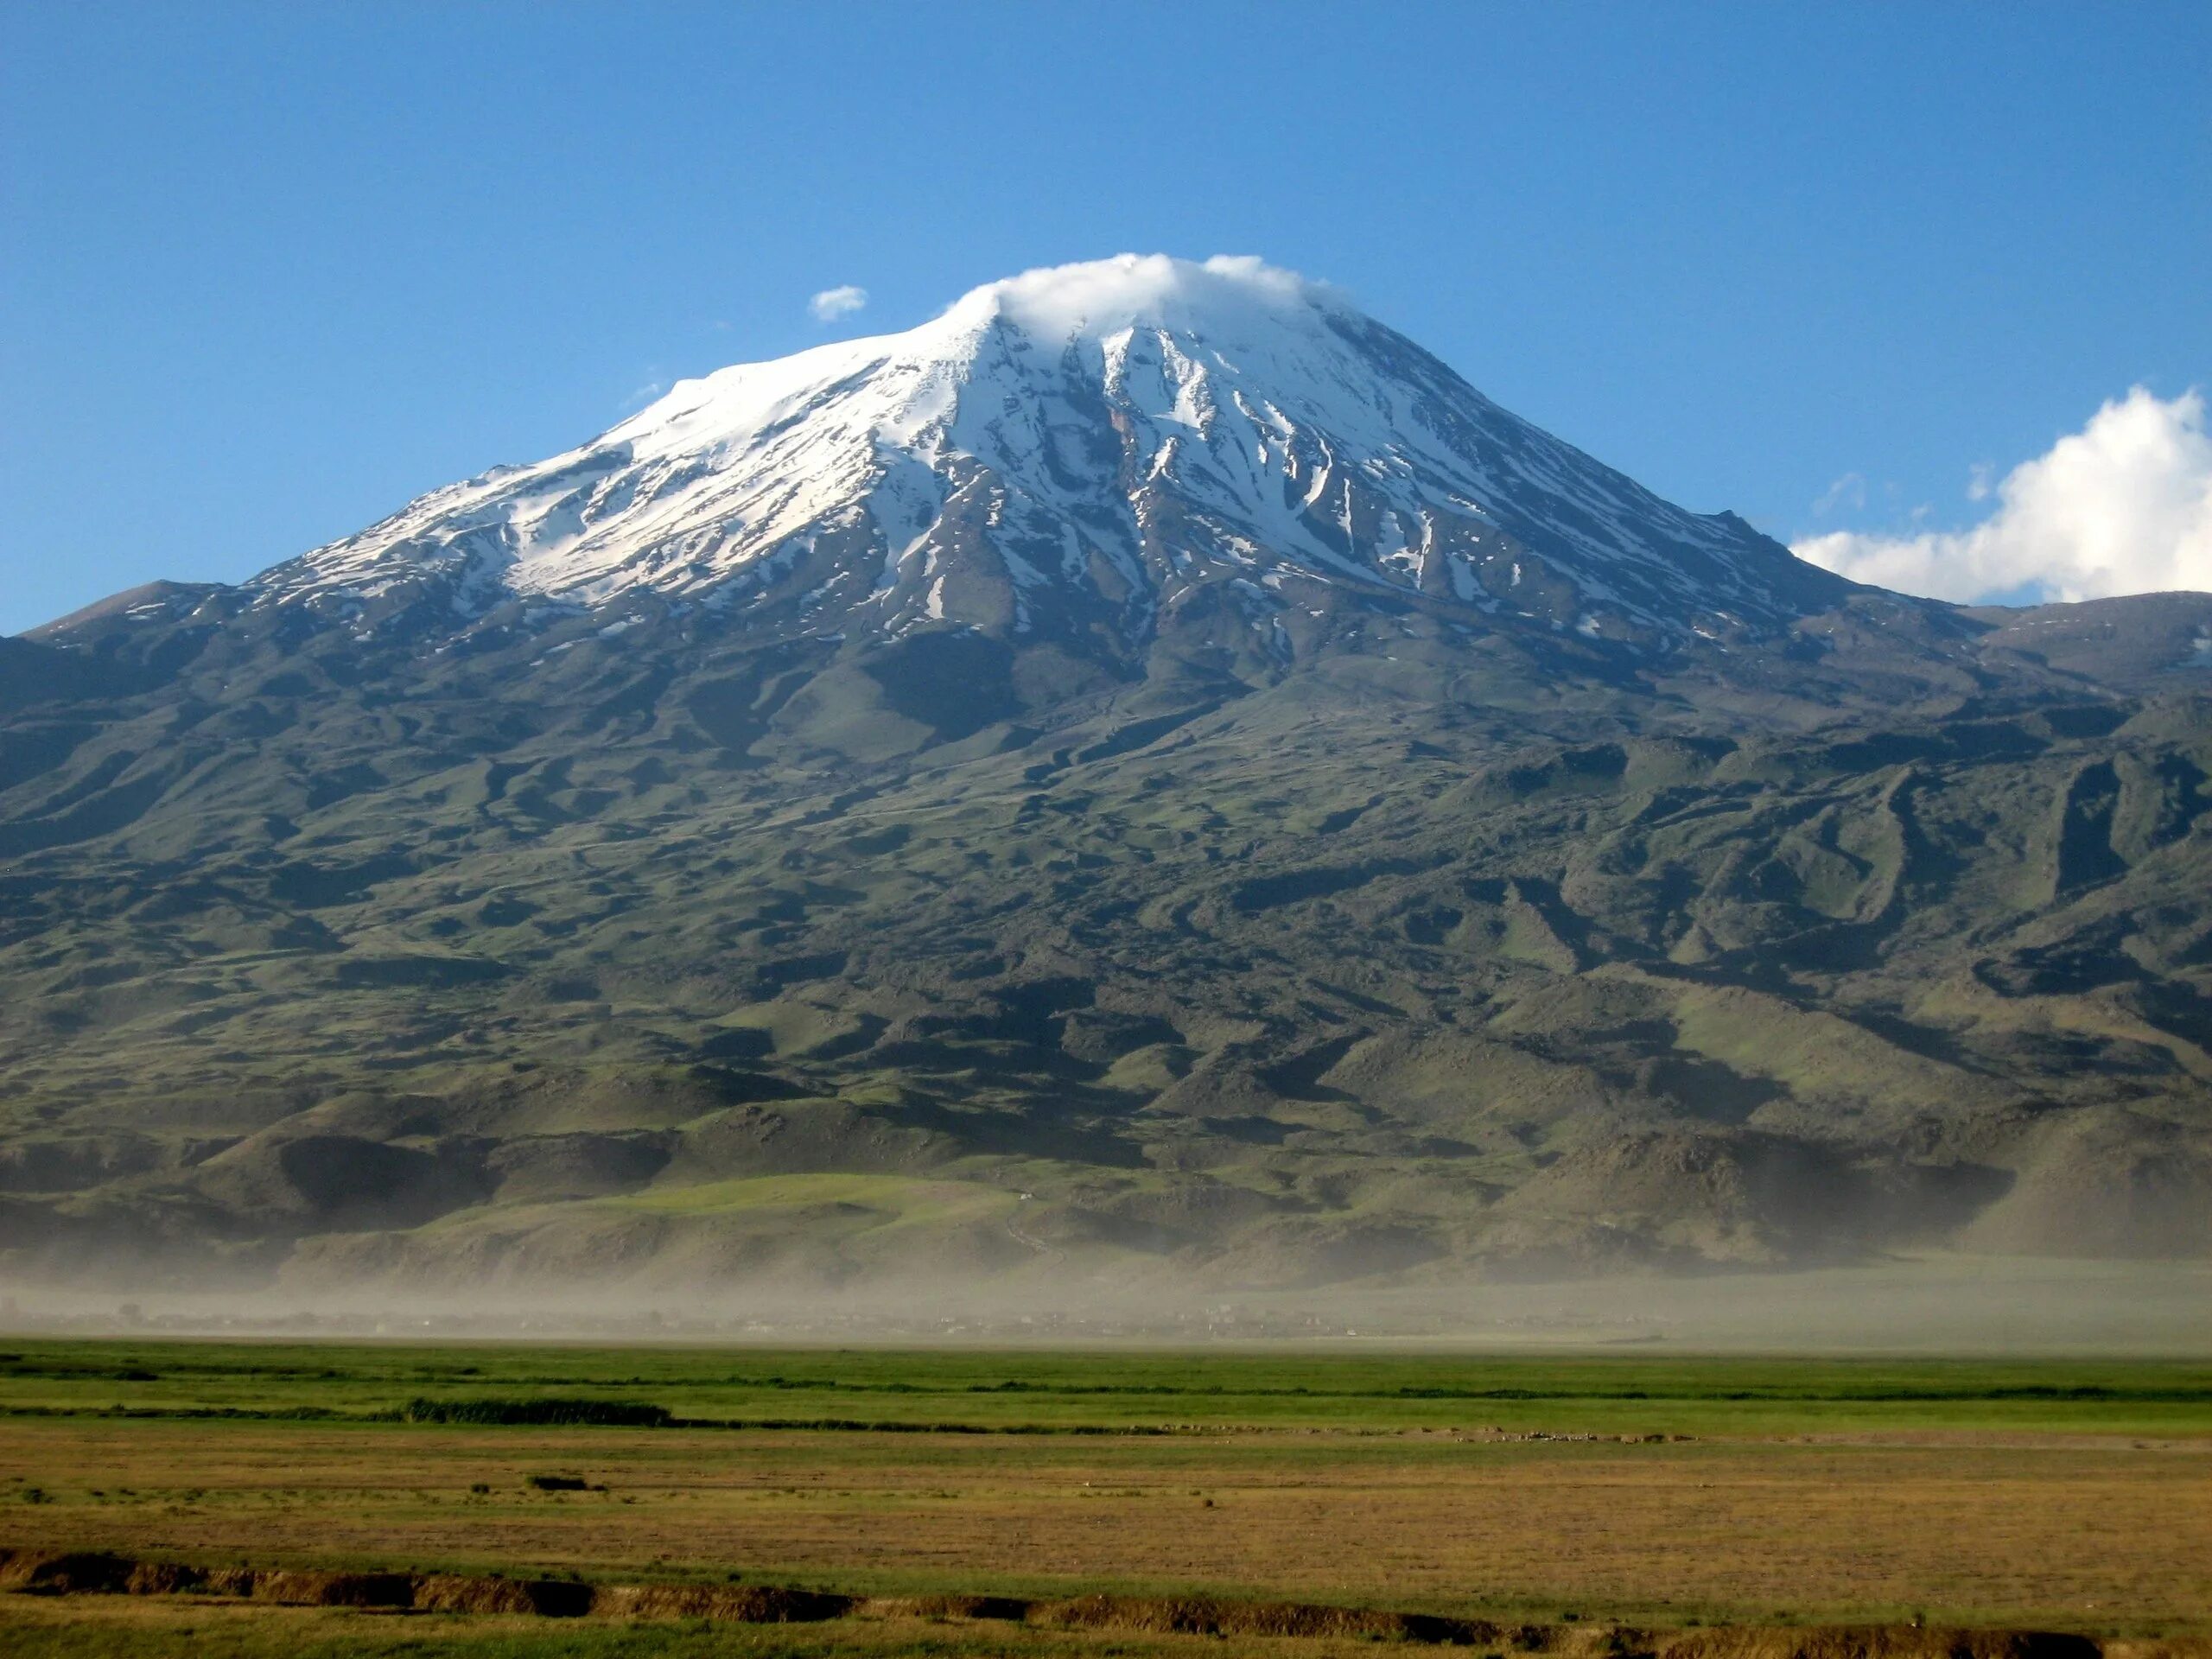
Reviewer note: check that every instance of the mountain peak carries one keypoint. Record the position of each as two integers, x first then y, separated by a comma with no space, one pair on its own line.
1227,301
1073,453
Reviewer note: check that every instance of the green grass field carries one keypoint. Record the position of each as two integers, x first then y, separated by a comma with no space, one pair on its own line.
1626,1393
1570,1492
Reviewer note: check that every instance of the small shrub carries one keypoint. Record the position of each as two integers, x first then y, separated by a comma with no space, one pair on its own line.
545,1412
557,1483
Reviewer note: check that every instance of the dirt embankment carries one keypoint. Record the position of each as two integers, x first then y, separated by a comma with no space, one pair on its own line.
102,1572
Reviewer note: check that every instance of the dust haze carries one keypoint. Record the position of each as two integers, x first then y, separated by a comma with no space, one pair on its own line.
1929,1305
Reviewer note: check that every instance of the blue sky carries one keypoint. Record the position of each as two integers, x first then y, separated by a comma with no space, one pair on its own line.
270,270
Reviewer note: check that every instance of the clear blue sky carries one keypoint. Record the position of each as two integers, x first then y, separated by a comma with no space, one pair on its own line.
267,272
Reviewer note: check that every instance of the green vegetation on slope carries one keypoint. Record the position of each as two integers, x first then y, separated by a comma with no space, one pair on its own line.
1441,953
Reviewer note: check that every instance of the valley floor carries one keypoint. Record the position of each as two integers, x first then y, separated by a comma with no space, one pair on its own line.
1547,1499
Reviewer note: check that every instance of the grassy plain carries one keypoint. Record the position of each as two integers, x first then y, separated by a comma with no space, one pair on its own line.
2065,1494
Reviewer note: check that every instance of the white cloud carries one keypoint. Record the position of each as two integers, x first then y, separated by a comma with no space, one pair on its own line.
644,394
832,303
2122,506
1100,296
1849,491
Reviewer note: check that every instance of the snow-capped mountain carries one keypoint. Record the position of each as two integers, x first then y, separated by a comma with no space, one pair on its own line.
1075,451
1151,738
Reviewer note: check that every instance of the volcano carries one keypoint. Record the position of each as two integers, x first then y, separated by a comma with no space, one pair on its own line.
1148,778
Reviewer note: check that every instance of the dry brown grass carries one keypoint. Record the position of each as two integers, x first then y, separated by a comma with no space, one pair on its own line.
126,1628
2078,1535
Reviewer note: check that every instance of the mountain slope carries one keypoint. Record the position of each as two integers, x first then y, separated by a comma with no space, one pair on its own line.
1151,739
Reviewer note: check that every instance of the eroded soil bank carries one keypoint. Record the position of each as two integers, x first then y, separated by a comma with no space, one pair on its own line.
104,1573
